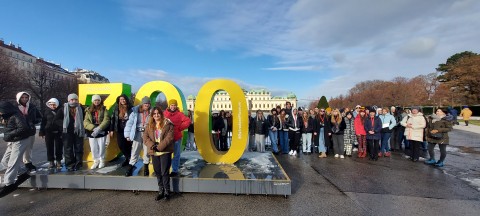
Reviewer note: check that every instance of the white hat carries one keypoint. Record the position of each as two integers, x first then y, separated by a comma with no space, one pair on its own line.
52,100
96,97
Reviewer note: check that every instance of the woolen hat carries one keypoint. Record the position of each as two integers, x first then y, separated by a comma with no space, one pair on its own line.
172,101
72,96
145,100
53,100
96,97
416,107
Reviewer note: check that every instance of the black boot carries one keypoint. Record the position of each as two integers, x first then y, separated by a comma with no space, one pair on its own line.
30,167
161,194
145,170
125,163
166,196
129,171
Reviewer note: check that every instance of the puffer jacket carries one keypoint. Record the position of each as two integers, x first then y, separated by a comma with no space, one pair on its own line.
466,114
167,141
16,127
131,126
48,124
443,126
103,122
180,122
418,125
31,113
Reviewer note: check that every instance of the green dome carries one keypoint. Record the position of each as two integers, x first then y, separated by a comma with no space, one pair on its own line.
291,95
190,97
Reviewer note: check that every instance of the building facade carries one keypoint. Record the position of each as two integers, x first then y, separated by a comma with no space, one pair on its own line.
21,59
88,76
257,99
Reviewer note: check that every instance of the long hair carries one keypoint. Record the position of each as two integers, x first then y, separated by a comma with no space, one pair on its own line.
336,118
151,122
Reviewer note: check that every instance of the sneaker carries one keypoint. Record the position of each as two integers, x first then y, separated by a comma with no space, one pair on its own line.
336,155
95,164
387,154
51,165
342,157
439,164
59,164
380,154
291,152
355,149
406,157
294,153
432,161
102,164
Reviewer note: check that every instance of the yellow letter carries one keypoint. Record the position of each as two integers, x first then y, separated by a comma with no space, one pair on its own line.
113,90
203,135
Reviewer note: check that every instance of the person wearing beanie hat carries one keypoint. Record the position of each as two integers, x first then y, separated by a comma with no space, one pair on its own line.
180,122
414,124
146,100
96,125
52,134
133,131
71,118
33,117
360,132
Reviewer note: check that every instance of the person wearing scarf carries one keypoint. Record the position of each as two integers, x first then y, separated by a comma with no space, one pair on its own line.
295,126
441,124
373,128
96,124
71,123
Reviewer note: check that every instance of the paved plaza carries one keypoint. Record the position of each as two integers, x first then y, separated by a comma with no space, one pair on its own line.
351,186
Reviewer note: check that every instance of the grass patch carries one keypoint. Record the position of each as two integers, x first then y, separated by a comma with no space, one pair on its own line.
474,122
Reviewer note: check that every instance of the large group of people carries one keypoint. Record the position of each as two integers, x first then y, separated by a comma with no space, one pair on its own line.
155,131
367,130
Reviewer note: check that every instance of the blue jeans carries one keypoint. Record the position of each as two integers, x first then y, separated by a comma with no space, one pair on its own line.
283,140
321,141
273,139
385,146
176,155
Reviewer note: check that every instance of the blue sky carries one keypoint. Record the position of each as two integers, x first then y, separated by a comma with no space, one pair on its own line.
309,47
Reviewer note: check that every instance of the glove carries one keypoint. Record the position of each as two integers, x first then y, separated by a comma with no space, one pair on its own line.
95,131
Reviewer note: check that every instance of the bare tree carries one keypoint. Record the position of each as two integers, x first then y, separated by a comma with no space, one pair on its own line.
9,78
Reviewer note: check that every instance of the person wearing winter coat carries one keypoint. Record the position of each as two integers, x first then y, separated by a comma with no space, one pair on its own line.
388,123
307,131
133,131
52,134
16,134
70,119
414,124
360,133
283,131
96,123
295,126
261,130
118,121
180,122
321,129
224,131
454,113
33,117
373,127
337,130
349,137
273,124
159,140
466,113
437,133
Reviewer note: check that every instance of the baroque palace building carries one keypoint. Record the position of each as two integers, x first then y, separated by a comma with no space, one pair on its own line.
257,99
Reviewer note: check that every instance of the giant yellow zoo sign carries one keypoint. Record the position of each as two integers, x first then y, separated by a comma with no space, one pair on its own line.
202,113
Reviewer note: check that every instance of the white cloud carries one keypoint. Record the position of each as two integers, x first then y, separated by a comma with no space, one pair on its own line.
344,39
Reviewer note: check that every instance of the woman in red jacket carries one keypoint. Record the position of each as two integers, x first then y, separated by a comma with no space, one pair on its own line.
361,133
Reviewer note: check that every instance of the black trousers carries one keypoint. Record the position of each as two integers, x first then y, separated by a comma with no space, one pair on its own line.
223,143
124,145
372,148
161,166
54,146
294,139
73,150
415,149
443,151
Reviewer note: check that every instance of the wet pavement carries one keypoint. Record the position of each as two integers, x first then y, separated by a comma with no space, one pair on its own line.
351,186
